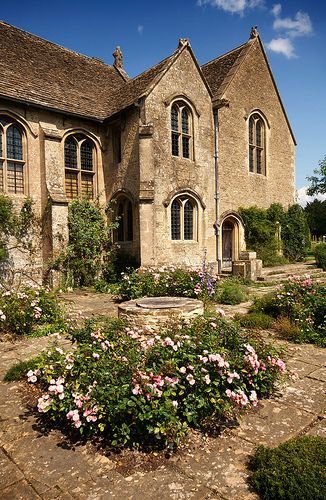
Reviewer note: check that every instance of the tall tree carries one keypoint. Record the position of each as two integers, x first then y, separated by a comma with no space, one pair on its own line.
316,216
318,181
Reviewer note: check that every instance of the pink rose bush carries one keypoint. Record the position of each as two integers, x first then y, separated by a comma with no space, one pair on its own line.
303,302
135,388
23,312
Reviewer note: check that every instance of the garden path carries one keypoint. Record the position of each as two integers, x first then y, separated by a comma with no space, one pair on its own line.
35,464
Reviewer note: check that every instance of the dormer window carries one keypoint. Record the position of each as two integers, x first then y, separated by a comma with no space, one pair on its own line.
181,130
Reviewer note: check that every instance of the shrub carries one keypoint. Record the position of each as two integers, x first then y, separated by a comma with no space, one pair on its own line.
320,255
23,312
286,328
295,234
89,247
294,470
254,320
232,294
303,302
137,389
167,281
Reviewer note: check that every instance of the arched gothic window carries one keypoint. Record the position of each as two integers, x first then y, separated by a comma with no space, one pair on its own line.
184,218
124,212
257,145
181,130
79,154
12,162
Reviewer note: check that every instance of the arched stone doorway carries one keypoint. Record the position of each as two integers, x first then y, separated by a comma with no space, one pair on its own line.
231,243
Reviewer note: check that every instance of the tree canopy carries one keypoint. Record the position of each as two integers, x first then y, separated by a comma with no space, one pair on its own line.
318,181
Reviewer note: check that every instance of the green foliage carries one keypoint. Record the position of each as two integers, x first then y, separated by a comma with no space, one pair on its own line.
168,281
18,371
25,311
254,320
320,255
295,470
89,248
295,234
15,225
316,217
318,181
231,294
261,227
260,232
136,388
303,302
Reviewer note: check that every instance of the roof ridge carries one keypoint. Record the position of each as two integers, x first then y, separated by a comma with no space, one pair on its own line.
153,67
57,45
242,46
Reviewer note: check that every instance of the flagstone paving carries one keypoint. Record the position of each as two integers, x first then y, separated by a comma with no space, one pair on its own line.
35,464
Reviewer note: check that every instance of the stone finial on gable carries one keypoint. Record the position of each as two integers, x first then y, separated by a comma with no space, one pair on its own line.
118,58
254,32
183,41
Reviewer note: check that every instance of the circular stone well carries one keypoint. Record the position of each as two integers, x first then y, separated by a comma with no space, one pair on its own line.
153,311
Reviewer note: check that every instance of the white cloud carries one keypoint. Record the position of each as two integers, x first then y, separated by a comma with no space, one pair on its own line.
282,46
276,10
303,198
232,6
300,25
140,29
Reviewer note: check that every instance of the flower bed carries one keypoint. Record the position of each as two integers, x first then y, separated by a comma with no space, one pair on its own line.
140,390
303,302
30,311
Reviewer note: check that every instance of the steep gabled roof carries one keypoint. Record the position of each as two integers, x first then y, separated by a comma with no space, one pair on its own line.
219,71
135,88
42,73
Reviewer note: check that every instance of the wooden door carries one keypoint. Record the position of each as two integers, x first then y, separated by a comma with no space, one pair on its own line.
227,237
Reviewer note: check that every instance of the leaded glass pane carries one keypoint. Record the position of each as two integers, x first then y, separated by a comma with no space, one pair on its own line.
251,159
15,178
71,183
259,160
185,147
70,153
174,119
251,131
185,121
130,235
86,156
87,185
121,221
14,143
1,175
259,131
175,144
175,221
188,217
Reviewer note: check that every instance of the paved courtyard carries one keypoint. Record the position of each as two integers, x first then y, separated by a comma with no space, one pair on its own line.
35,464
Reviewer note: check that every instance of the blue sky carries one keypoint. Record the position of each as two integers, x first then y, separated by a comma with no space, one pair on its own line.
293,33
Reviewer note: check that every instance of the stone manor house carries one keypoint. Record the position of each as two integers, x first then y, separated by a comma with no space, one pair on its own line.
179,148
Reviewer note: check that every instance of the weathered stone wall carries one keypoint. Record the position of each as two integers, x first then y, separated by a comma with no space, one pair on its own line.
169,175
45,133
252,89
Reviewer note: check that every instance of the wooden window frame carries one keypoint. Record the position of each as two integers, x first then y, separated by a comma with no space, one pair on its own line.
6,160
182,201
178,134
257,148
78,171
